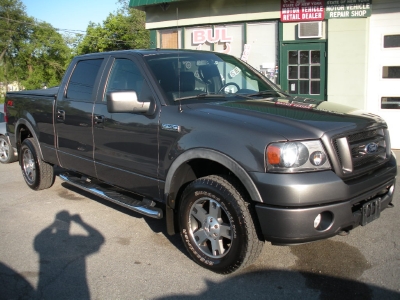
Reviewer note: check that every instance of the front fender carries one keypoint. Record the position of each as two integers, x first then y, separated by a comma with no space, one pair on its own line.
173,180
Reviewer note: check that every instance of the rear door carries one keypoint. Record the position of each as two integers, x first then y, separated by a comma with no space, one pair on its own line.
126,144
73,117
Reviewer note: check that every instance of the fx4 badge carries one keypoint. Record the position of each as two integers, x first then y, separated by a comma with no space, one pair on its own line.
171,127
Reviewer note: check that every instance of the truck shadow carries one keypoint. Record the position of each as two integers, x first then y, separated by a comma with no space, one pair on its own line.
156,225
259,284
282,284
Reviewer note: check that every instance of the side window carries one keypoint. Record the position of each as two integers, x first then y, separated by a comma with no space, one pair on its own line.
125,76
81,84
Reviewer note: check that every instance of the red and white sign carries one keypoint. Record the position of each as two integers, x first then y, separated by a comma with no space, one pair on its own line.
302,10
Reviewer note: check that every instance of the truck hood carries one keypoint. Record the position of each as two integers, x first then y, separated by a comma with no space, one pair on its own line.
295,117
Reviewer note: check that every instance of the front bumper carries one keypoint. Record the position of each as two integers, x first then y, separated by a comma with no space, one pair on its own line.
291,202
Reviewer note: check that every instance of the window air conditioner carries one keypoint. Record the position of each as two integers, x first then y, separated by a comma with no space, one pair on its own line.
310,30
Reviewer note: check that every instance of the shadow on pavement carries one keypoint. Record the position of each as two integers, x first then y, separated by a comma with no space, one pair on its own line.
156,225
62,258
281,284
62,273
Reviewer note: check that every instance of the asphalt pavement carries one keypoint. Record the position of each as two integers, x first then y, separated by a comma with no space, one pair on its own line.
62,243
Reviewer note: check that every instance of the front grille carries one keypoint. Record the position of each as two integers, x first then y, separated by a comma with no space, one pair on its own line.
361,151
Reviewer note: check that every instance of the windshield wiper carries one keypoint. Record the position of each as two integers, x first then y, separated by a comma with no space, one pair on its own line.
202,95
266,93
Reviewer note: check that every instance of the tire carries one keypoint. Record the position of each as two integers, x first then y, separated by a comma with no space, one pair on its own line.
217,227
6,151
38,174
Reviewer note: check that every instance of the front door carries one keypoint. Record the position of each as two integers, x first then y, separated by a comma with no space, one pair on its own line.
126,144
303,70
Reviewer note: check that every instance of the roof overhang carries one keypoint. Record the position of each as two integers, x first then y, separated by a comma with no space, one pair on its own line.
141,4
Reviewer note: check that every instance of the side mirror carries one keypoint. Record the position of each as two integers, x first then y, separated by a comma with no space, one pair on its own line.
127,101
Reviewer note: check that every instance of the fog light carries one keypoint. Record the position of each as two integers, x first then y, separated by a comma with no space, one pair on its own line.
391,190
318,158
317,221
323,221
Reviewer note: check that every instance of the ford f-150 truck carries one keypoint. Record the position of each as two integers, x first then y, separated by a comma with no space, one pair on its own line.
211,145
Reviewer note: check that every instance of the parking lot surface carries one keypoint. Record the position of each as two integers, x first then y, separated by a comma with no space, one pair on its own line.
63,243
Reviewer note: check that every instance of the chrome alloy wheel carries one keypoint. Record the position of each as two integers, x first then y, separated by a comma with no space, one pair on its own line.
29,166
4,150
210,227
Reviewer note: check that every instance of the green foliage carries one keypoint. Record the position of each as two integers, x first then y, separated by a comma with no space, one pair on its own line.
120,31
32,53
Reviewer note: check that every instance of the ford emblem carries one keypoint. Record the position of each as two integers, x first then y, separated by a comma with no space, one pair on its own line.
371,148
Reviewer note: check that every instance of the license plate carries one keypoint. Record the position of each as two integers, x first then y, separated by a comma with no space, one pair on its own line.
370,211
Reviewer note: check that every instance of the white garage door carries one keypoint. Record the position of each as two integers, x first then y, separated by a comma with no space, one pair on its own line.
384,65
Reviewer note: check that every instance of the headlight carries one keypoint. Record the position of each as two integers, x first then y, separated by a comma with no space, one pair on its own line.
292,157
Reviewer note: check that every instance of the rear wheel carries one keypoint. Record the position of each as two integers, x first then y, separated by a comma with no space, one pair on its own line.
6,151
38,174
216,225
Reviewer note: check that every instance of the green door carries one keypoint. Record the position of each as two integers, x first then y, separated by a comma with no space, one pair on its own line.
303,70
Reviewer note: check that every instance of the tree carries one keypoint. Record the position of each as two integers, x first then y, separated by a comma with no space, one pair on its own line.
12,24
120,31
43,57
31,53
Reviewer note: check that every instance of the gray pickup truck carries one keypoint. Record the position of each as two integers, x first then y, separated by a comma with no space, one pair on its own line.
208,143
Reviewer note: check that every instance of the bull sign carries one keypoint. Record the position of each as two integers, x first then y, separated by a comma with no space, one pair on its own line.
200,36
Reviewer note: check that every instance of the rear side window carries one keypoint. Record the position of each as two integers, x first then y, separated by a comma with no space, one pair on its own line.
82,81
1,117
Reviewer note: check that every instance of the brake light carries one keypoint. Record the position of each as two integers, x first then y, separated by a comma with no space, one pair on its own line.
7,103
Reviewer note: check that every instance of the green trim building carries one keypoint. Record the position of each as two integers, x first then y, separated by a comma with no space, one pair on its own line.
323,49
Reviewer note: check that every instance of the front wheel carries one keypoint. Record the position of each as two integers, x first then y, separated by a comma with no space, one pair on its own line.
38,174
216,225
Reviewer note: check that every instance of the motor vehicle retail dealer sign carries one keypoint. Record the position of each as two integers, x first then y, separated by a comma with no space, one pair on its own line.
302,10
318,10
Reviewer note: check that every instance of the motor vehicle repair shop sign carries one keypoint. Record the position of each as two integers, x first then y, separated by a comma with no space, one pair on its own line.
317,10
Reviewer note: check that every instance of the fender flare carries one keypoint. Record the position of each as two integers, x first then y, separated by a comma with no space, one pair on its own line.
209,154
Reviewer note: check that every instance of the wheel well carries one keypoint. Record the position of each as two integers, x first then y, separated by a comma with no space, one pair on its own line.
192,170
23,133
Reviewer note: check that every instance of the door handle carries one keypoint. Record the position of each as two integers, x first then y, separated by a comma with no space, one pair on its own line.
60,115
98,119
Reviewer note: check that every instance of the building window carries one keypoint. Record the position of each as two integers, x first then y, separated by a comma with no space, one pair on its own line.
169,38
304,71
392,72
390,102
262,48
231,39
254,43
391,41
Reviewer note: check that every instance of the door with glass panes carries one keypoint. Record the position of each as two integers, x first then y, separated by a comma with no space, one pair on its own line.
303,70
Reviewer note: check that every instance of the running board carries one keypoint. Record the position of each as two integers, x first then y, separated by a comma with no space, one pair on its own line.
144,207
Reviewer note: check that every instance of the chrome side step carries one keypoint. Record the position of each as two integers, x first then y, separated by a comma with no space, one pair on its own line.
145,207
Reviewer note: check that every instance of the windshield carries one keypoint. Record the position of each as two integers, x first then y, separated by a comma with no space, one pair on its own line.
208,76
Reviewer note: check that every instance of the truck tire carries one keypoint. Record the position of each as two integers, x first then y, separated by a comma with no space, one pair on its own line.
38,174
217,227
6,151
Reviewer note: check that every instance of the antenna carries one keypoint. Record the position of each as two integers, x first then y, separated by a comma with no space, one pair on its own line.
179,69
